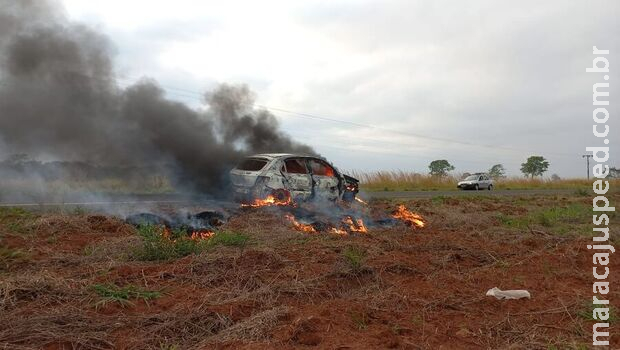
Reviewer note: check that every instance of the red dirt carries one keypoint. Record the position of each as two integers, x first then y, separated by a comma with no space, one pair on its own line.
420,289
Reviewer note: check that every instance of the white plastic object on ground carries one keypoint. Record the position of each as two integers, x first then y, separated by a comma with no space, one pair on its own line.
508,294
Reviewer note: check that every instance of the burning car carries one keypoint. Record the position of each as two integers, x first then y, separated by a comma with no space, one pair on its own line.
283,178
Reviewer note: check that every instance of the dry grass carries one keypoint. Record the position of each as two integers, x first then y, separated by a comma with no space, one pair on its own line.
72,328
254,328
400,180
43,288
285,289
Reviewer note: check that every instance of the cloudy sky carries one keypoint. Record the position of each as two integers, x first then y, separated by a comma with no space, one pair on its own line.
387,84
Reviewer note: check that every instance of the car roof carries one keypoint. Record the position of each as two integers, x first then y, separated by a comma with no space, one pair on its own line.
281,155
270,155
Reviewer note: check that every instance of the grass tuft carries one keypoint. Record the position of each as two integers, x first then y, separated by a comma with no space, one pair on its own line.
159,244
9,256
587,312
156,245
230,239
110,293
354,258
360,319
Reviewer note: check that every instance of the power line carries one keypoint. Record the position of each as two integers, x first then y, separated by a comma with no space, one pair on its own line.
199,97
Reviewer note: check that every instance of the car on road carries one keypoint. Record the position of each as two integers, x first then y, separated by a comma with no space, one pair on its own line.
477,181
290,177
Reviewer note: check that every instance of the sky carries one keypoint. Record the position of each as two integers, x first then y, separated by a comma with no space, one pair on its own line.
387,85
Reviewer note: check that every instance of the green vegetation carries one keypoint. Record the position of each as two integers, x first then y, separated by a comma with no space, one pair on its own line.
360,319
587,310
582,192
354,257
226,238
534,166
158,243
570,218
14,213
110,293
440,167
497,171
16,219
9,256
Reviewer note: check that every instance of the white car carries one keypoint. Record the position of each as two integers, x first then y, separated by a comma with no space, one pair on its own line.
478,181
290,177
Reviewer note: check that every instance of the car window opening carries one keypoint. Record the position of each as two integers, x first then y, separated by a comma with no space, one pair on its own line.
295,166
321,169
252,164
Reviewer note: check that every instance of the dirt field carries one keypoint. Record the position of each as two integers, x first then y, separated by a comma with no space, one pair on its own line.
75,280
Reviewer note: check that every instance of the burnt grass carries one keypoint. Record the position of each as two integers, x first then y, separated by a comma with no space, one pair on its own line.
70,281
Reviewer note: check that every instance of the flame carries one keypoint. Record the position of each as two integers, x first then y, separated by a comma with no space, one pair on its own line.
355,226
408,217
268,201
198,235
166,233
299,226
361,200
339,231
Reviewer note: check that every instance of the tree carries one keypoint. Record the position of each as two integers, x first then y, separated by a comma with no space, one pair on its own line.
440,167
534,166
556,177
497,171
614,173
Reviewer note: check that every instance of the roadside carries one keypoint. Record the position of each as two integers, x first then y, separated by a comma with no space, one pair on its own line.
82,280
177,199
428,194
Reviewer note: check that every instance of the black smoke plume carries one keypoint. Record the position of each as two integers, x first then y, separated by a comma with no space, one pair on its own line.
59,100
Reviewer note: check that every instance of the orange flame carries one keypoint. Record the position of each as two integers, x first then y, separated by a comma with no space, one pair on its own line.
339,231
357,226
268,201
166,233
361,200
408,217
299,226
198,235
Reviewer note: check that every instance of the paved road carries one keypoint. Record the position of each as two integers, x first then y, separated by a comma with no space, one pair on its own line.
427,194
178,199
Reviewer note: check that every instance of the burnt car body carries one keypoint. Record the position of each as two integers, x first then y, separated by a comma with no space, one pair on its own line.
290,176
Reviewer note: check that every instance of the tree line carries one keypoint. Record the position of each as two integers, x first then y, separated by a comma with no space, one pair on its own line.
533,166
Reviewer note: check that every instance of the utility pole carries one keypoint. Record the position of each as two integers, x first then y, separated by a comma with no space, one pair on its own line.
587,157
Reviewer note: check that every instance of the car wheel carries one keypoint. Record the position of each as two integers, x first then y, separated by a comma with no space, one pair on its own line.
281,195
490,187
476,187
